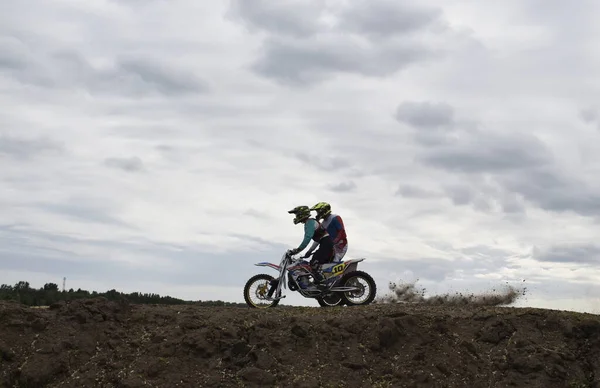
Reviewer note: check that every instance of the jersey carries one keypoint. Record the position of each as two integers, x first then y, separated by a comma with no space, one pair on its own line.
335,227
313,230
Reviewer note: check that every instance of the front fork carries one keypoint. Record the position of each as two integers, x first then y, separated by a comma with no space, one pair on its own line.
275,282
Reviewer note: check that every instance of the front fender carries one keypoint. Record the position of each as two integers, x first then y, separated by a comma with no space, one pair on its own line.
267,264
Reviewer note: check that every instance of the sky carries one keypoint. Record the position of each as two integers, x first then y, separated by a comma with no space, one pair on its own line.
156,146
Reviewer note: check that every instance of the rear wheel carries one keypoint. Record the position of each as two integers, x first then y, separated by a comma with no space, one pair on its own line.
367,289
331,300
256,290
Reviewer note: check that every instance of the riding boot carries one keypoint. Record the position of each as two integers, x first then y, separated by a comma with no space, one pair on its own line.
317,276
316,272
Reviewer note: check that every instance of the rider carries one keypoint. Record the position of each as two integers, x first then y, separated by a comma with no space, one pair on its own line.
313,230
335,227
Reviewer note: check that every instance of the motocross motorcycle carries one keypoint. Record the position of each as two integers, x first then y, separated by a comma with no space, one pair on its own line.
342,283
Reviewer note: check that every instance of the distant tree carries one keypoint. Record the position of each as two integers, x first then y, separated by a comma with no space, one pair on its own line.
49,293
51,287
22,286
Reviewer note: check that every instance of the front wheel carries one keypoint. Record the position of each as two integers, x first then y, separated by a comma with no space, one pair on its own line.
258,287
366,285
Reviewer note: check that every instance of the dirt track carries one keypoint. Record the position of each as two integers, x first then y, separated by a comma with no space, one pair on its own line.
96,343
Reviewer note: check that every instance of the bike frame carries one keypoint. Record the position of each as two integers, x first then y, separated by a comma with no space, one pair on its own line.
336,269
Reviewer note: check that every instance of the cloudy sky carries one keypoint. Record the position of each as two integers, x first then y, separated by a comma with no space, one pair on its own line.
156,146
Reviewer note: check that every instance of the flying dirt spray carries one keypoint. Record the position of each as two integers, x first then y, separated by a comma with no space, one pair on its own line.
409,293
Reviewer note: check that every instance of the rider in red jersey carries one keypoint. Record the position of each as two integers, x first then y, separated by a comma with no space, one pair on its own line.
335,227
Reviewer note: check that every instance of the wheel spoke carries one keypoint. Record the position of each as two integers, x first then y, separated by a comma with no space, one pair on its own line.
365,285
256,292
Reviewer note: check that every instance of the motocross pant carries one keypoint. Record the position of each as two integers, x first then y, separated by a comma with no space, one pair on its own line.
340,252
324,254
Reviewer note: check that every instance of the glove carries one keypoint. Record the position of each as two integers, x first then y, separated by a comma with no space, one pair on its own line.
293,251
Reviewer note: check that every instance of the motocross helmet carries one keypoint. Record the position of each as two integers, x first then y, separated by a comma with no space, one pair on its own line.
302,214
323,209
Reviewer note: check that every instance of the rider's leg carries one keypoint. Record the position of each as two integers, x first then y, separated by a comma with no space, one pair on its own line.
340,252
323,255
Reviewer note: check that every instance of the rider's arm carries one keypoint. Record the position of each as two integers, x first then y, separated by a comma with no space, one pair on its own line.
314,246
309,231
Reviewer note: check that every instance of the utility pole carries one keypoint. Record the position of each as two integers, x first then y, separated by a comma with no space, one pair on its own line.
64,283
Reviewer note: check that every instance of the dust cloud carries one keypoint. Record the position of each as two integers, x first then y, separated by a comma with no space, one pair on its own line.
409,293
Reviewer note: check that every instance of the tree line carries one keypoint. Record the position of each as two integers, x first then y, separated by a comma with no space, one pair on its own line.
23,293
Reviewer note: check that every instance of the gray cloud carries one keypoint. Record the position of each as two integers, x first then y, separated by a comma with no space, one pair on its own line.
465,195
467,261
83,210
521,166
296,18
303,63
332,163
411,191
177,154
69,69
481,195
590,115
435,124
148,132
384,18
256,214
17,253
553,190
586,253
425,115
146,75
546,188
13,53
301,50
26,148
488,151
464,147
460,195
483,251
132,164
344,187
512,203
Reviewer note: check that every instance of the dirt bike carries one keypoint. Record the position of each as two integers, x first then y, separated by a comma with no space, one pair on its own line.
339,286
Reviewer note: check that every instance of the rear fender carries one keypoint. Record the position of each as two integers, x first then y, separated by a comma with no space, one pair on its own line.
352,265
336,270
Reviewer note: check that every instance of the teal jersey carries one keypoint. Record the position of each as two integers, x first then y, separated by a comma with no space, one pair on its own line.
312,230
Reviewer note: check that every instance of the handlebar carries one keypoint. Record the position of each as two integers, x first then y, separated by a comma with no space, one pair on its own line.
288,252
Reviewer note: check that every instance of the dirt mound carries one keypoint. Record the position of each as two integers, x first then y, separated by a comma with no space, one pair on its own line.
97,343
409,293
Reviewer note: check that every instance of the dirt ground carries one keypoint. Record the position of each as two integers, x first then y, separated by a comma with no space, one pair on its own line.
97,343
